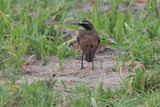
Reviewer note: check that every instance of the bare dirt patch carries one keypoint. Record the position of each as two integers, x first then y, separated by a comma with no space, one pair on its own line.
104,71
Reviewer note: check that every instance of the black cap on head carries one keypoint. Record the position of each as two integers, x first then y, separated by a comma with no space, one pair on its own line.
87,25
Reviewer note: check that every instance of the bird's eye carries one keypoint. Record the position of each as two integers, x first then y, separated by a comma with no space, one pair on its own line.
91,46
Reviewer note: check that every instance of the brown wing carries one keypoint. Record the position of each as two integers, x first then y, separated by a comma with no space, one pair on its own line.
97,40
88,38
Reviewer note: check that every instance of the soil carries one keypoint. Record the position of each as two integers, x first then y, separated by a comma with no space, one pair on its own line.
71,73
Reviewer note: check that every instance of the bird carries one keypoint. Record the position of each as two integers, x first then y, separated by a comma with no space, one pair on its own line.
88,41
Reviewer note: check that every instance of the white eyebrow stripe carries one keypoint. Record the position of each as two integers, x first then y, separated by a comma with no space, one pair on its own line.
85,23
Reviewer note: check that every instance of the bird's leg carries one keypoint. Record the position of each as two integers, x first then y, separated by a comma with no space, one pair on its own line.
92,64
82,60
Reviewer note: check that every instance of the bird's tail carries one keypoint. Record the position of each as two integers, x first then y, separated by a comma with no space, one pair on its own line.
89,57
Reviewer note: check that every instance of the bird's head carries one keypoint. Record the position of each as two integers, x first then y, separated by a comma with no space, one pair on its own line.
87,25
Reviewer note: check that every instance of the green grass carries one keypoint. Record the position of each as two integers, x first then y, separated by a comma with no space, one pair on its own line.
39,94
27,28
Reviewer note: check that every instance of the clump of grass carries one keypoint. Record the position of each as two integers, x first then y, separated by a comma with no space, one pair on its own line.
37,94
27,31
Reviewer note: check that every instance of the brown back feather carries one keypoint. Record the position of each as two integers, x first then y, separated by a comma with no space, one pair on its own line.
88,41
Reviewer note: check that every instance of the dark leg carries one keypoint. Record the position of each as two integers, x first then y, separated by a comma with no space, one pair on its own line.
82,61
92,65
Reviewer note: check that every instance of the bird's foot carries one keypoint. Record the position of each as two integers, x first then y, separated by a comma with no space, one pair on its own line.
81,68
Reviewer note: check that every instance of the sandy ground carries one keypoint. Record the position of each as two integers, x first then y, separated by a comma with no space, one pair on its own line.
104,71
